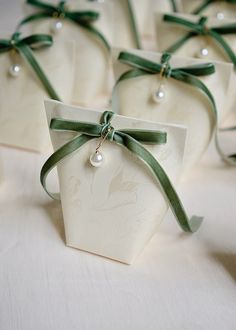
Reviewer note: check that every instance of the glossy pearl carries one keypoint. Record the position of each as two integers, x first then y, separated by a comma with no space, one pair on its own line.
204,52
14,70
56,27
96,159
220,16
159,95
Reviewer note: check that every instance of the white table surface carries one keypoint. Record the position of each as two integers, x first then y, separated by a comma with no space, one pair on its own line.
179,282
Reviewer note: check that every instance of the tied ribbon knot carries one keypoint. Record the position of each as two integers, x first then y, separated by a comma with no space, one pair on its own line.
24,47
207,3
200,29
132,140
166,69
188,75
84,19
61,9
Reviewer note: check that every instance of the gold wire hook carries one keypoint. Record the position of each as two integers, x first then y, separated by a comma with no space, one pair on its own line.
103,138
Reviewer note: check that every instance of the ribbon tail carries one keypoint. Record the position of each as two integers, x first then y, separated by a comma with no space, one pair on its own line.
92,29
57,157
228,159
179,43
188,225
174,6
202,7
27,53
134,25
226,47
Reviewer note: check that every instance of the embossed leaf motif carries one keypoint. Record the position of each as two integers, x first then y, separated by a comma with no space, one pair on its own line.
119,184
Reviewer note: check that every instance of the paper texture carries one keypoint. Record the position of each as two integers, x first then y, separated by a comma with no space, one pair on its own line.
113,210
214,9
162,6
122,30
193,46
1,169
90,88
145,18
183,104
22,117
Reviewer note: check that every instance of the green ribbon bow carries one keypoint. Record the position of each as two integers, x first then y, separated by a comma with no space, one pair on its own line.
207,3
24,47
188,75
132,140
82,18
200,29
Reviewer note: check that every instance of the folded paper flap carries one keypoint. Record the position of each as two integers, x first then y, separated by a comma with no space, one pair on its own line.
55,109
167,154
222,75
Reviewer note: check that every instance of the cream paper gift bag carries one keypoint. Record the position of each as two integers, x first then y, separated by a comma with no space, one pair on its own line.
23,122
218,8
183,104
93,78
200,46
112,210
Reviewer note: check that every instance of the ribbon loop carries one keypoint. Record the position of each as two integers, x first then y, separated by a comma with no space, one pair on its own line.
62,8
131,140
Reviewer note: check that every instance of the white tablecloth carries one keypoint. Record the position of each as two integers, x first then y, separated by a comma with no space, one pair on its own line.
179,282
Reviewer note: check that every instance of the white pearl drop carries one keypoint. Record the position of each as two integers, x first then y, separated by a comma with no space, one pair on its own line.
56,27
220,16
204,52
14,70
96,159
159,95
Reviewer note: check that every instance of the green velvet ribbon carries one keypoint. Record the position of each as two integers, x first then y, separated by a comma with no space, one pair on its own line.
133,25
83,18
200,29
207,3
174,6
24,47
132,140
189,75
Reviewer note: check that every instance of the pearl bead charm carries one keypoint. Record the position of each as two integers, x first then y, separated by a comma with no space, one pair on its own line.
204,52
14,70
96,159
220,16
56,27
159,95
